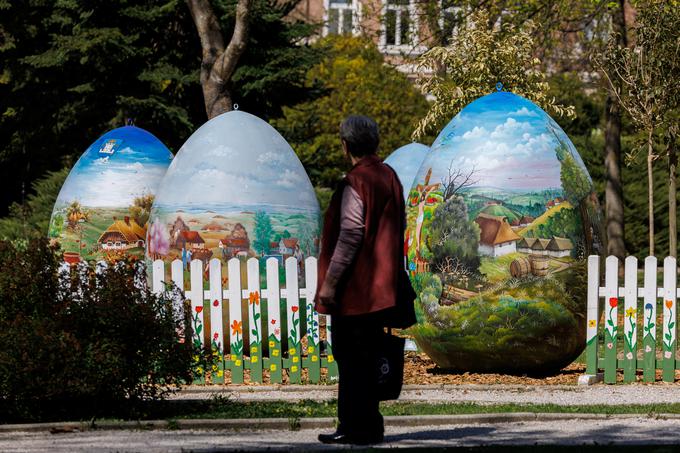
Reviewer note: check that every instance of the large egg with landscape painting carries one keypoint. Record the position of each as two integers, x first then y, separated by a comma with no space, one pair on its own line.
501,216
235,189
103,207
405,161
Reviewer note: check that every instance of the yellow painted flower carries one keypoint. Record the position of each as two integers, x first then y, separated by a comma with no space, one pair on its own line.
233,357
220,373
314,358
591,323
630,312
310,349
275,352
199,370
331,359
272,367
237,362
293,368
253,349
196,358
271,343
253,359
214,367
296,359
292,351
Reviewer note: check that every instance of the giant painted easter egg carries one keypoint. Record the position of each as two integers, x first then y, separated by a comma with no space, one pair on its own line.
501,216
406,161
235,189
103,207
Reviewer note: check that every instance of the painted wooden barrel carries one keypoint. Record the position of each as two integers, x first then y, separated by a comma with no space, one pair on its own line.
520,268
539,265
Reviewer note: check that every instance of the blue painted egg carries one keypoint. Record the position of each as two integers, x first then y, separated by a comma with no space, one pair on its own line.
103,207
406,161
235,189
501,215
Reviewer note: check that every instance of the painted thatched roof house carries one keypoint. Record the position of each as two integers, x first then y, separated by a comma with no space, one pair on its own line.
122,235
540,247
496,236
559,247
525,244
190,240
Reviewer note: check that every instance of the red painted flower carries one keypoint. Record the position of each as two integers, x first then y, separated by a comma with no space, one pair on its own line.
216,336
294,308
273,321
216,303
613,301
199,309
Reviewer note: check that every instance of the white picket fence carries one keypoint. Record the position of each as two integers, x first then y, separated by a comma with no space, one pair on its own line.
639,314
228,295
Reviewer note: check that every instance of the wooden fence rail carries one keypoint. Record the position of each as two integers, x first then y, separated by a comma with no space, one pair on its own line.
221,304
635,346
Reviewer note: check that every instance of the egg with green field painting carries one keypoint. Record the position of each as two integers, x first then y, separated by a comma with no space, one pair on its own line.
501,216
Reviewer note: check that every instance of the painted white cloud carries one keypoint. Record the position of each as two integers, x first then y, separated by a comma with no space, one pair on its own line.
524,112
101,160
288,179
136,167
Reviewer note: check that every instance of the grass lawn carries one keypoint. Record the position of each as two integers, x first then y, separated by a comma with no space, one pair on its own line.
223,408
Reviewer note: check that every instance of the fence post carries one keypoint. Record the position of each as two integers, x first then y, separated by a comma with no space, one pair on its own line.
293,311
233,294
197,296
669,318
255,319
630,331
177,276
274,324
158,276
330,360
216,325
593,314
611,291
313,365
649,320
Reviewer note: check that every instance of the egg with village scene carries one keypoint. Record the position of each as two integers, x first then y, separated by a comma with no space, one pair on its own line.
236,189
103,207
501,215
405,161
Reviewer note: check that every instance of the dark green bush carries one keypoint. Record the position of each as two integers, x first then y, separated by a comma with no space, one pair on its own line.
88,343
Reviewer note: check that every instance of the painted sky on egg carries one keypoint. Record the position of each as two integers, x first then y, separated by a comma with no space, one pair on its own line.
236,159
406,161
508,140
120,165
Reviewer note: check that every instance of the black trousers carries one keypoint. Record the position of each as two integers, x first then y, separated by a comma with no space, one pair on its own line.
355,342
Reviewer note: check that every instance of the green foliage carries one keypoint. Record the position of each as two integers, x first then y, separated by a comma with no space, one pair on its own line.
263,232
454,236
70,71
354,79
476,59
92,344
30,220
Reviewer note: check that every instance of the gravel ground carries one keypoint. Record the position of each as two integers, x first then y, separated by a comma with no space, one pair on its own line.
610,431
481,394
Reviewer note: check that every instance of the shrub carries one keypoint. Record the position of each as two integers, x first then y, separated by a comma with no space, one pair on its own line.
84,343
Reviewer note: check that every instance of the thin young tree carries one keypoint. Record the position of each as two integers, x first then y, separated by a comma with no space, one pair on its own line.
641,78
469,67
219,61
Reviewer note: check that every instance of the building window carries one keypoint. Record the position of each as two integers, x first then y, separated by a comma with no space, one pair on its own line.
450,19
398,23
341,17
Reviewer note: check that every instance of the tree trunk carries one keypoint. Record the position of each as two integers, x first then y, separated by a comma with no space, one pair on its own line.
650,189
615,226
672,200
218,63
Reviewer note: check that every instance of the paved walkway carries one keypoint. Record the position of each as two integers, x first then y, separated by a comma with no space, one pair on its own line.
606,431
481,394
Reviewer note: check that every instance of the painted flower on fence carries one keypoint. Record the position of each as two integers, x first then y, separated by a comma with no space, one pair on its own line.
649,324
631,335
253,300
236,346
611,318
236,327
669,337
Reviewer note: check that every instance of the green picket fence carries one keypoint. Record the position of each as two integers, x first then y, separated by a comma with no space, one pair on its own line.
270,344
633,334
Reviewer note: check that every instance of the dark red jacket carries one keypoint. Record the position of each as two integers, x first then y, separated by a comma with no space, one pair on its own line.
376,281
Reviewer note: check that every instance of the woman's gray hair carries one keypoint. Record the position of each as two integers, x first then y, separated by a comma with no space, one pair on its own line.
361,135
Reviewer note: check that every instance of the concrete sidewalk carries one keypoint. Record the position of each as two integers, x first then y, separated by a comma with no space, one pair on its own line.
567,431
480,394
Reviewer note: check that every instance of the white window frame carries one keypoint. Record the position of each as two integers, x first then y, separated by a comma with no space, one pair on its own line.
350,8
398,46
450,9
